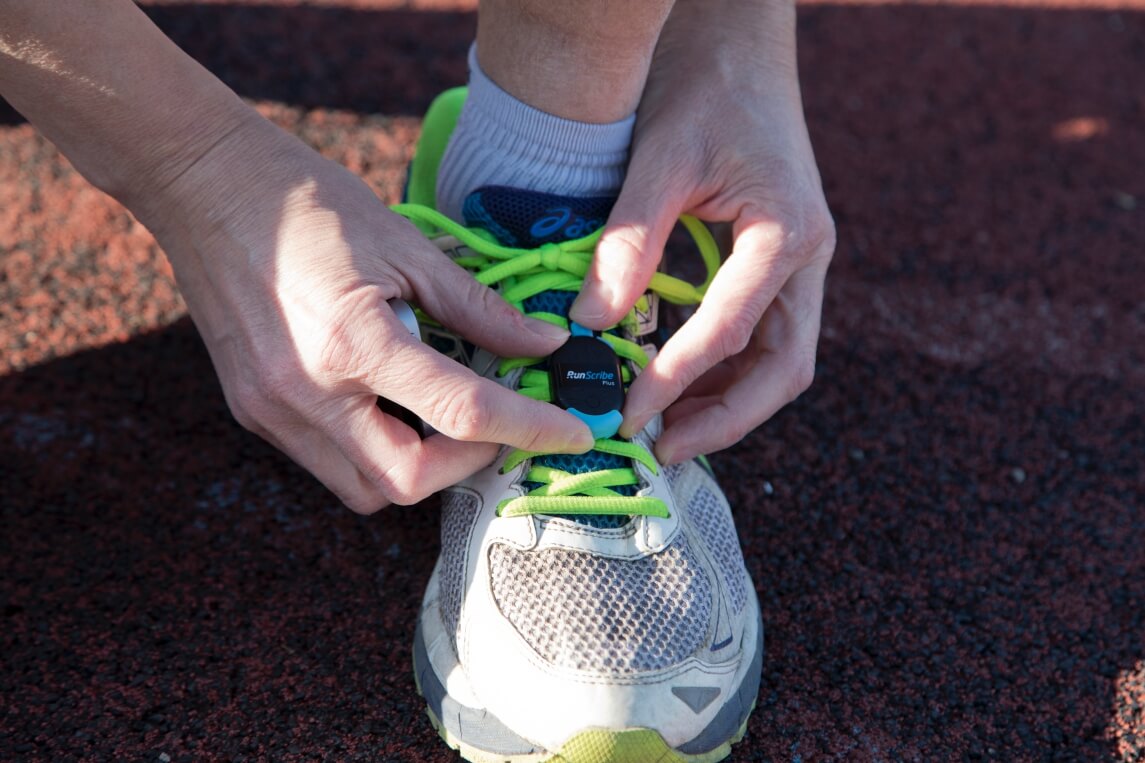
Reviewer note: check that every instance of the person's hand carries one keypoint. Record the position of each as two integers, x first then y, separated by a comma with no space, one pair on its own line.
286,261
720,135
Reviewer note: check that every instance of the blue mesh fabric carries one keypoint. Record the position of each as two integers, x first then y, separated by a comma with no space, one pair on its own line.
515,217
527,219
585,462
556,302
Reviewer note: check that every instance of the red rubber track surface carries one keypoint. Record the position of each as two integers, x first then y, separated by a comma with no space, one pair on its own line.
947,531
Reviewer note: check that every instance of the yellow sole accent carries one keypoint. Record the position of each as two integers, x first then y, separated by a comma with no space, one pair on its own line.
597,746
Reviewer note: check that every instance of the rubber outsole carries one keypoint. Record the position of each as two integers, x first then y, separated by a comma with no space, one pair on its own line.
596,746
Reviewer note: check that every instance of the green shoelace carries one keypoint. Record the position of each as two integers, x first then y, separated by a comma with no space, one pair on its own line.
524,273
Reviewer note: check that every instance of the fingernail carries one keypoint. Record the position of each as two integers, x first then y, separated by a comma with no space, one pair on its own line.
581,442
588,309
547,330
629,428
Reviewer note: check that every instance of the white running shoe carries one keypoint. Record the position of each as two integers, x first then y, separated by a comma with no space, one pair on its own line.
584,608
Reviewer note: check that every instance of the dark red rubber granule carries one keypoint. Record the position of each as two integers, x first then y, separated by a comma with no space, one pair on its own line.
947,532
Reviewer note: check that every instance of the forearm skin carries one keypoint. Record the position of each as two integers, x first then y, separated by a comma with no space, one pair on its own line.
129,109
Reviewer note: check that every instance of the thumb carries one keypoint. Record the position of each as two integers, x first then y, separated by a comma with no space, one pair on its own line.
453,296
629,250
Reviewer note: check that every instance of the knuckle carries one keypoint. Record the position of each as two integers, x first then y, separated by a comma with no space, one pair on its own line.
340,352
491,306
404,485
243,416
739,430
463,413
803,375
238,401
249,402
400,482
797,230
819,232
277,384
534,437
780,237
348,339
623,248
736,334
364,503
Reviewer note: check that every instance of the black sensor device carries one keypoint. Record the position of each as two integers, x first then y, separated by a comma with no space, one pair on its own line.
586,382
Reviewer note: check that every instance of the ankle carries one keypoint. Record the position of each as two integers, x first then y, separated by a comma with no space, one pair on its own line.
499,140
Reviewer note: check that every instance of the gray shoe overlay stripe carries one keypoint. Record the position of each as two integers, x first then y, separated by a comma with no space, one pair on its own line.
735,711
478,728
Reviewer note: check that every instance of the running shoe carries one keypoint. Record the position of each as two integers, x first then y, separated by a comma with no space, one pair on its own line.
584,608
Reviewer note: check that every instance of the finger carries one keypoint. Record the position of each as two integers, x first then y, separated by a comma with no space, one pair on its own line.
720,328
783,371
703,393
726,420
459,403
716,379
451,295
629,250
315,451
390,457
369,459
686,407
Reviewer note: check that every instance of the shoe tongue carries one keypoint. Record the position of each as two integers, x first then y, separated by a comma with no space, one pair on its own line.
526,219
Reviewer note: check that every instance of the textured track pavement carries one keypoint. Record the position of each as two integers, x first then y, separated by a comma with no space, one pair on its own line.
947,531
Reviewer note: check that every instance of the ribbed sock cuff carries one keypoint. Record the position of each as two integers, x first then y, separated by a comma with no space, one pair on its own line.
500,140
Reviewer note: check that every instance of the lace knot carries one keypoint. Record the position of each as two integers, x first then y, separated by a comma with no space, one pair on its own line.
551,256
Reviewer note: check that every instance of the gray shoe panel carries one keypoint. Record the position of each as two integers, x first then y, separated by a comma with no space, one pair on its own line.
483,730
478,728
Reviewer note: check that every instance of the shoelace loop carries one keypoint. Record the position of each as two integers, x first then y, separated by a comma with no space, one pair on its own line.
525,273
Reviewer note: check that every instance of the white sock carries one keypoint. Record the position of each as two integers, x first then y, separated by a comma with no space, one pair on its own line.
501,141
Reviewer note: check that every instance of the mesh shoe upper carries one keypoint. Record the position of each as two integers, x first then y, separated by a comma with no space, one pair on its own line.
588,612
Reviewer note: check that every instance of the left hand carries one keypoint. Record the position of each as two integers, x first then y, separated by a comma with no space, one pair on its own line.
720,135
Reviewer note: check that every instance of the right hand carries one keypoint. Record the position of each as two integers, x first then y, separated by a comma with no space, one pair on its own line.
286,261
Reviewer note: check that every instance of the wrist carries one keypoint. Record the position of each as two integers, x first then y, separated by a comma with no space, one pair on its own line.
745,45
184,164
238,180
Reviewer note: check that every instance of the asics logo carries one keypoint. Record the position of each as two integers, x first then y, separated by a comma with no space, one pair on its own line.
562,220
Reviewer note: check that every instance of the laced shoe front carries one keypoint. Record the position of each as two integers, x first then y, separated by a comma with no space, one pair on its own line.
584,608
